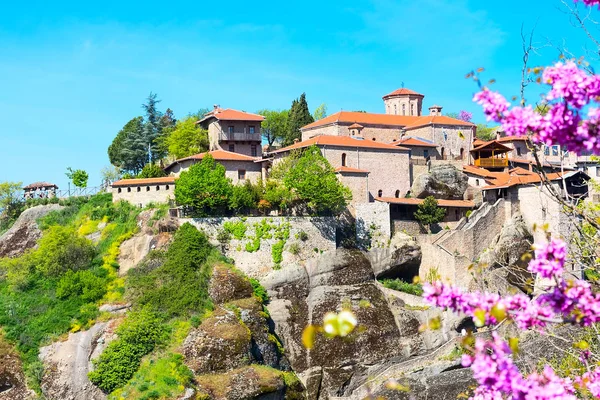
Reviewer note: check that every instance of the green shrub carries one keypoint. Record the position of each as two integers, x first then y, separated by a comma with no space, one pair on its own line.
180,285
84,284
151,171
61,249
138,335
303,236
223,236
237,229
277,252
402,286
294,249
253,245
243,197
259,290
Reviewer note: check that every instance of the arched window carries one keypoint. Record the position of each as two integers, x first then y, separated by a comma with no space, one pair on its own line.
477,182
129,189
462,153
157,188
343,159
147,188
403,109
379,193
395,109
397,194
442,153
167,187
139,189
374,139
119,190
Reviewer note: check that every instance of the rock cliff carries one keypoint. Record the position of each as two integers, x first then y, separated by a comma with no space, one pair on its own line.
442,182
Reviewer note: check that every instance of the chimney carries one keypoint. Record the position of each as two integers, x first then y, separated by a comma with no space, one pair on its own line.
296,140
435,110
216,107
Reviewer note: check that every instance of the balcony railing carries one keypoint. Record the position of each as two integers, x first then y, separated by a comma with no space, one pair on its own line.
491,162
240,136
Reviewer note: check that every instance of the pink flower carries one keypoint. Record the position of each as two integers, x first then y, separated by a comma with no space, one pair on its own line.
549,259
521,120
494,104
591,382
571,84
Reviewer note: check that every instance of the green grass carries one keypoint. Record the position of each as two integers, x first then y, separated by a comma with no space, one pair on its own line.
403,286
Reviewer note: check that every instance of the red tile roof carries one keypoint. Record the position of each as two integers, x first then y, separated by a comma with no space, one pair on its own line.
148,181
229,114
413,142
415,202
404,121
506,180
402,91
492,145
351,170
484,173
356,126
340,141
220,155
513,139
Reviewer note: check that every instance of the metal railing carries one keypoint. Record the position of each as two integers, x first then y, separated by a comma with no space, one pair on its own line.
491,162
62,194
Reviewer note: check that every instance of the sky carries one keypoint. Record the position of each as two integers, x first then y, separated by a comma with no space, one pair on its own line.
73,73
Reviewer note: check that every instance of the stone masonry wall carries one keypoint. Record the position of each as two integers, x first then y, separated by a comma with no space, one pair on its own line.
373,223
320,236
448,138
142,195
232,168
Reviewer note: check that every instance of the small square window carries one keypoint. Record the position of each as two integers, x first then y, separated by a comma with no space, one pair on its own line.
253,150
546,150
554,150
241,174
232,148
230,129
518,151
425,153
251,129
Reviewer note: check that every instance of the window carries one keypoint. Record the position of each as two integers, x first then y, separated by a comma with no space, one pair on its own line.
253,150
462,153
374,139
403,109
167,187
477,182
395,109
445,135
442,153
412,109
425,153
147,188
128,189
554,150
597,170
251,130
397,194
518,151
119,190
379,193
230,129
157,188
241,174
139,189
343,159
232,148
546,150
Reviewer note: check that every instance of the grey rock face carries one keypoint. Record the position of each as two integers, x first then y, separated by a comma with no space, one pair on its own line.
24,234
442,182
400,259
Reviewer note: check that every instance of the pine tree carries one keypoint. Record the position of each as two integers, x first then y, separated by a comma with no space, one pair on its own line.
152,128
299,116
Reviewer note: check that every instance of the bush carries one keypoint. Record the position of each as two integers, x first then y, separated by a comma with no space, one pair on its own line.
151,171
243,197
84,284
302,236
277,252
294,249
237,229
402,286
180,285
138,335
61,249
259,290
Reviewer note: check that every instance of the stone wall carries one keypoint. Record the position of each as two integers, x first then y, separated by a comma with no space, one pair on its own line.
373,223
320,236
448,139
232,169
142,195
241,138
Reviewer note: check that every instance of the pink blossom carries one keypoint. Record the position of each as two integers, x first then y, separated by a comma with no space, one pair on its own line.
571,84
465,116
590,2
591,382
494,104
549,259
520,121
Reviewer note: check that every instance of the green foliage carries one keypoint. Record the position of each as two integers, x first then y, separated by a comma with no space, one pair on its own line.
138,335
151,171
60,250
223,236
303,236
429,213
178,287
237,229
275,126
110,174
79,177
259,290
485,132
244,197
129,149
299,116
11,204
277,252
314,181
278,195
85,284
294,249
253,245
204,187
320,112
402,286
187,138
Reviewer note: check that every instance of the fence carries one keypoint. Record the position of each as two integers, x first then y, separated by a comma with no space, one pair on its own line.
62,194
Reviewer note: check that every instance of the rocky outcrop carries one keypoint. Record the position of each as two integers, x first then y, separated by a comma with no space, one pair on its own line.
503,264
400,259
24,234
12,379
442,182
67,363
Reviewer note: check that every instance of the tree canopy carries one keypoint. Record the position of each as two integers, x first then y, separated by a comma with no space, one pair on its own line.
186,139
78,176
151,171
129,149
299,117
275,126
428,212
320,112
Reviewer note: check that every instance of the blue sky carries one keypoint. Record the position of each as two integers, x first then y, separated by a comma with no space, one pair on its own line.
73,73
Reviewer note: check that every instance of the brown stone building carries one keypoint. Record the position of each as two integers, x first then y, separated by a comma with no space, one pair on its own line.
369,168
233,131
141,192
403,118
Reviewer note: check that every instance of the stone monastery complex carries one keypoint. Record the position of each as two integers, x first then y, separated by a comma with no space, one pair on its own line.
386,161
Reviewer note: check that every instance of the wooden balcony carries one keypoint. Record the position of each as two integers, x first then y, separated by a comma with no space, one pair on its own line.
491,162
240,136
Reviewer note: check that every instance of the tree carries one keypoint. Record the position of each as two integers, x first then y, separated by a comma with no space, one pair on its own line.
314,181
244,197
186,139
79,177
275,126
153,128
110,174
320,112
485,132
299,116
204,187
151,171
428,212
129,149
11,203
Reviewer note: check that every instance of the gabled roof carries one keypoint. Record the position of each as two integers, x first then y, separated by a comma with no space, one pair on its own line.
415,202
340,141
40,185
401,121
402,91
513,139
349,170
218,155
356,126
413,142
492,145
506,180
147,181
521,171
229,114
482,172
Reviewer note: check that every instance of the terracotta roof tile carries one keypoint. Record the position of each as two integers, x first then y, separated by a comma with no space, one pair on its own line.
506,180
356,126
492,145
148,181
229,114
473,170
405,121
340,141
413,142
414,202
218,155
399,92
513,139
351,170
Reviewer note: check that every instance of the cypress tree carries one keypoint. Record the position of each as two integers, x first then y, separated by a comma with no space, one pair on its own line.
299,116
